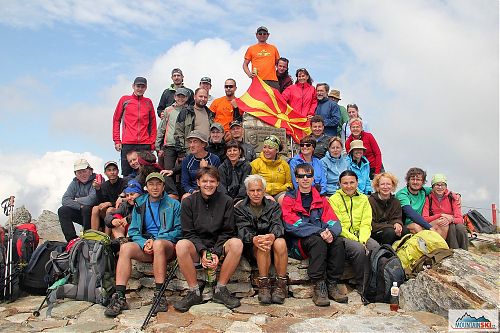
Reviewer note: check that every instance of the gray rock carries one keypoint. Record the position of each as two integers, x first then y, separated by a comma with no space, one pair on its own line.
133,318
133,284
209,309
356,323
21,215
89,327
48,227
94,313
68,309
259,320
243,327
301,290
39,325
18,318
462,281
147,282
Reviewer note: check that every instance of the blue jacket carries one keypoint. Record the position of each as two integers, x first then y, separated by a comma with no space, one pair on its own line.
330,111
363,172
332,168
319,176
170,220
190,167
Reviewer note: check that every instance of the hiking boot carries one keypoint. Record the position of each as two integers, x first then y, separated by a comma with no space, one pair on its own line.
188,301
320,295
223,296
116,305
162,305
335,294
280,290
264,290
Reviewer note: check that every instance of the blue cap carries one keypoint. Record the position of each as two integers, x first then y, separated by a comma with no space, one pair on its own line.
133,186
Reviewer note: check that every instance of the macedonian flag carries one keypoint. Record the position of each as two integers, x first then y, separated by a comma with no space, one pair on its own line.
268,105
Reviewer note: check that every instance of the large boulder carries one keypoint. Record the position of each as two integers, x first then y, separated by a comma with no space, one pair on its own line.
49,227
462,281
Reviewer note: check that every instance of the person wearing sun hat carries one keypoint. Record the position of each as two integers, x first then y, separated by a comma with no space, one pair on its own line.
154,230
78,200
444,208
359,164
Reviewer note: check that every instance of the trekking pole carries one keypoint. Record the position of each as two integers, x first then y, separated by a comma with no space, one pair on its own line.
156,301
8,208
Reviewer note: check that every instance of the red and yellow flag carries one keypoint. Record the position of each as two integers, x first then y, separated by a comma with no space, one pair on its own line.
267,104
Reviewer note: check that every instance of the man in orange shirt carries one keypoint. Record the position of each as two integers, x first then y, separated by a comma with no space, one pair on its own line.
225,108
263,57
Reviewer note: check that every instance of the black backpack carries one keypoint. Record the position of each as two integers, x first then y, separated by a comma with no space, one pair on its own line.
35,279
481,224
385,268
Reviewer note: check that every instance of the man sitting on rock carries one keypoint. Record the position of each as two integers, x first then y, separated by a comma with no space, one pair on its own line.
312,230
259,224
207,218
78,200
154,230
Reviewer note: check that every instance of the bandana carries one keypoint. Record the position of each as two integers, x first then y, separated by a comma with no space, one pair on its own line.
144,162
273,142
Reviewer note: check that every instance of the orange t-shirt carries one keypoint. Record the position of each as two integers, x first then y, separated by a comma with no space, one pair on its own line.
264,57
223,111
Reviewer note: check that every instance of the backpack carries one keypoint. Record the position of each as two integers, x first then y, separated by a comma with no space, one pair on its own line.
413,246
24,240
3,250
385,268
428,261
35,278
480,224
91,271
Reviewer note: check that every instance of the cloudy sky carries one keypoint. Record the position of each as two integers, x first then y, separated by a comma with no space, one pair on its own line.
425,75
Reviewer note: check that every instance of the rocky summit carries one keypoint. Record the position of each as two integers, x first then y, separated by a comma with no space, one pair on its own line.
468,279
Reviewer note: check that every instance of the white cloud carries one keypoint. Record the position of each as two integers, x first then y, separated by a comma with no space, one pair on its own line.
38,182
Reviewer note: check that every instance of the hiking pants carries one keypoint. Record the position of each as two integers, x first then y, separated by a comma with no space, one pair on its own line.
457,237
388,235
126,168
324,257
68,215
355,254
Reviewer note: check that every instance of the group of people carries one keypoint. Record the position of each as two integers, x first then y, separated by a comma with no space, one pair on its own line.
206,198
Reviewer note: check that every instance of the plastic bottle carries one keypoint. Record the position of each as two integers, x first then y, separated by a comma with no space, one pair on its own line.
211,273
394,297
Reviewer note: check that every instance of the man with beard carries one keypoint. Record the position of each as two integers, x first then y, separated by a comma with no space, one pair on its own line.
328,109
167,97
284,79
198,117
225,108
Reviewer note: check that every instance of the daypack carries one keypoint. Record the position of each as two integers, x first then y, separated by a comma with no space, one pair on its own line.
481,224
35,278
385,268
428,261
411,247
24,240
91,272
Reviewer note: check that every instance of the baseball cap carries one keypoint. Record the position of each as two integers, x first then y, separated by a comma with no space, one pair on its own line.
206,79
217,126
182,91
81,164
177,70
262,28
141,80
198,135
235,123
108,163
156,175
133,186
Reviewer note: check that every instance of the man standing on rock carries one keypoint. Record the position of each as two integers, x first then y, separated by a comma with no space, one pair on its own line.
312,230
167,97
259,224
207,218
225,108
136,116
78,200
264,58
284,79
154,230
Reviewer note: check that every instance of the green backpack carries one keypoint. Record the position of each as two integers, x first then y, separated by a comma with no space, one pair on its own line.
413,246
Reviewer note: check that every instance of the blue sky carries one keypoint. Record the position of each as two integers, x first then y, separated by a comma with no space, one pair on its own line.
424,73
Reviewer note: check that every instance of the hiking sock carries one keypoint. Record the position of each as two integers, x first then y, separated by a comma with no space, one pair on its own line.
218,286
196,290
158,286
120,290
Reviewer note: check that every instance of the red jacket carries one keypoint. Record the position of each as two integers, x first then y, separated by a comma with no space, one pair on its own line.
302,98
450,204
372,152
138,118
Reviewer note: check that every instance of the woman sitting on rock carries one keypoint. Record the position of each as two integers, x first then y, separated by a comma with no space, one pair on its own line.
387,221
360,165
372,150
333,164
233,171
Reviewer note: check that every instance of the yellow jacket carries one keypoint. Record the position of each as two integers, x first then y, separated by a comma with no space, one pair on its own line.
275,172
355,215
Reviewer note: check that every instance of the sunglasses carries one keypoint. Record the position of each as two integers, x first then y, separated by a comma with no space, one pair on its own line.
262,33
306,145
228,86
304,175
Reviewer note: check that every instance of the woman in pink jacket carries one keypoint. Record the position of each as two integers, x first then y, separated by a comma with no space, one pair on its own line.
301,96
445,207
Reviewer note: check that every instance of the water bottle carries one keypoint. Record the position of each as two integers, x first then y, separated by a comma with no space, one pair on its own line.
211,273
394,297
